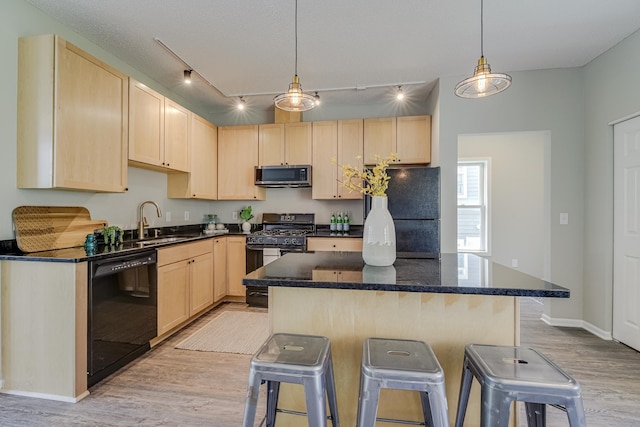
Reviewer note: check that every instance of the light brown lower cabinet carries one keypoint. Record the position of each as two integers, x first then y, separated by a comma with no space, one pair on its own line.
185,283
338,244
219,268
236,265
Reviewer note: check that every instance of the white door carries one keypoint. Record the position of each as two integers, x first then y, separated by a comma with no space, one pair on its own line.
626,233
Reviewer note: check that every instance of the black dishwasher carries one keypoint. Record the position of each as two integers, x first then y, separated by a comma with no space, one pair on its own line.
122,312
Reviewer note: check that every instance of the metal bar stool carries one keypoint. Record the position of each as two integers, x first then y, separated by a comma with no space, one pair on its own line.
404,365
298,359
514,373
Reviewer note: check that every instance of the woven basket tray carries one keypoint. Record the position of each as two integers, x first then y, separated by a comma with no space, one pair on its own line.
45,228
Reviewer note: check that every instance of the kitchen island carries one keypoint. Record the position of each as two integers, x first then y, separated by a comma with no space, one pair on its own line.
447,301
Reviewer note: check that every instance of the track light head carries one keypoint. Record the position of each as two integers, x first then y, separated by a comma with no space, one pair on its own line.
187,76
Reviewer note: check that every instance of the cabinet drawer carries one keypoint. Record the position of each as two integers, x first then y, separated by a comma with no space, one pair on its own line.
341,244
184,251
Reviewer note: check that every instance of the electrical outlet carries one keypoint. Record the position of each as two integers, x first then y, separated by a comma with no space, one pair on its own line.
167,216
234,215
514,263
186,215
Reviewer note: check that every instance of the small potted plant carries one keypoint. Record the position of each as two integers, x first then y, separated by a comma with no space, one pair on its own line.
246,215
113,235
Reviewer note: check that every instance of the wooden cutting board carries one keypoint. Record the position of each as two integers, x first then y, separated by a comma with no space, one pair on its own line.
45,228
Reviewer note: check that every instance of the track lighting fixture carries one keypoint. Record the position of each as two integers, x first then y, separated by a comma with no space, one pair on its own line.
187,76
241,103
317,97
399,94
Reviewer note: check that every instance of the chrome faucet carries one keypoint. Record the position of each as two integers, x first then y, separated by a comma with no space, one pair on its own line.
142,221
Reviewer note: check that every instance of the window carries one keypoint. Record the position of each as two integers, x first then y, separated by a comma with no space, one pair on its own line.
473,192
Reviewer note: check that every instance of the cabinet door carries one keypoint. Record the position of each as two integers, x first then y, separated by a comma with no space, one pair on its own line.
90,112
219,268
173,295
201,283
350,149
146,124
297,143
236,265
237,158
72,118
379,138
202,182
325,172
271,144
177,150
414,139
204,159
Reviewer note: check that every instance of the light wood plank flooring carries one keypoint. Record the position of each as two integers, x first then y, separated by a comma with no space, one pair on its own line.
170,387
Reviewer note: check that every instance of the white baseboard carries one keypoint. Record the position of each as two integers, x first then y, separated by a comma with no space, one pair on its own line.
574,323
601,333
47,396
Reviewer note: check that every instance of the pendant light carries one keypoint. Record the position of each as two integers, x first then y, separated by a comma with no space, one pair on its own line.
483,82
295,99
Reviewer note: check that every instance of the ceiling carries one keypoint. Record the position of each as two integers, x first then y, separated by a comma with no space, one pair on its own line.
352,52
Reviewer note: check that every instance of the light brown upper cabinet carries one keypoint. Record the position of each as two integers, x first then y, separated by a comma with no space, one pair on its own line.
202,181
237,158
72,118
409,136
158,130
340,140
285,144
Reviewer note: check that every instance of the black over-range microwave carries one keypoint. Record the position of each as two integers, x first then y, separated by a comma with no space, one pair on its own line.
283,176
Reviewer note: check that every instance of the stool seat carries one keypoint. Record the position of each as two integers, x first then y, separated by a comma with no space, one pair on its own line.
297,359
509,373
402,365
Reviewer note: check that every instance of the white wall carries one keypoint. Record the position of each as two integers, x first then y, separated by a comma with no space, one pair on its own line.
547,100
612,92
18,18
517,205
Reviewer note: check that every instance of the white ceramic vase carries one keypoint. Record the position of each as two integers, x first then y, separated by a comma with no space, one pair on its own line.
379,235
246,227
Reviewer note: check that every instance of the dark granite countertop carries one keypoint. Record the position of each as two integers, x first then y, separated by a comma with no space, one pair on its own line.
450,273
10,251
79,254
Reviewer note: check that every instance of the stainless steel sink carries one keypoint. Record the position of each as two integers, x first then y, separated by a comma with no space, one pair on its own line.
165,239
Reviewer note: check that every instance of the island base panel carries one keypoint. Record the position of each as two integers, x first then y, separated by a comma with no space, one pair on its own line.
446,321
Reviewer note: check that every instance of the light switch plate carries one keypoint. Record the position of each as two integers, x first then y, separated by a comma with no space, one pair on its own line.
564,218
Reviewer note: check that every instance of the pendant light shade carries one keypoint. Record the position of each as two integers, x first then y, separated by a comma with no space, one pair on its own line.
295,99
483,82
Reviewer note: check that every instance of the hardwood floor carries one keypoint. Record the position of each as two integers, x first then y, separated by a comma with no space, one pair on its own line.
606,370
171,387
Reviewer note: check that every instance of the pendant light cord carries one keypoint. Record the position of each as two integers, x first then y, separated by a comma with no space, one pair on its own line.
481,27
296,38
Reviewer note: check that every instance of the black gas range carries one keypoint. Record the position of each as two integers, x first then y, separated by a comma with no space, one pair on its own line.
281,233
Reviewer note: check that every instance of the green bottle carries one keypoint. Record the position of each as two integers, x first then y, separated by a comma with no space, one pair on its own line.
339,222
345,220
333,222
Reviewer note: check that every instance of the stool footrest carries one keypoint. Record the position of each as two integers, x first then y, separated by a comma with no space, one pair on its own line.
292,412
393,420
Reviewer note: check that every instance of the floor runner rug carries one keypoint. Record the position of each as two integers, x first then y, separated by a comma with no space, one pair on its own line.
231,332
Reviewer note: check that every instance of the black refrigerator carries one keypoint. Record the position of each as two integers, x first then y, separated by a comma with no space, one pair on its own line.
414,203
